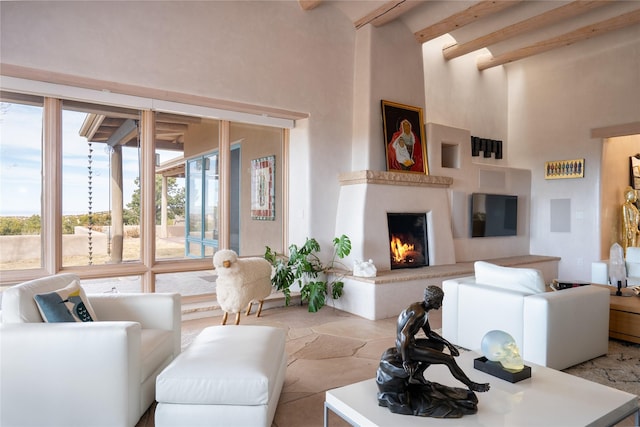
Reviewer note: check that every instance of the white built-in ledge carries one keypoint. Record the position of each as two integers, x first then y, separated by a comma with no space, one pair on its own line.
459,269
391,291
394,178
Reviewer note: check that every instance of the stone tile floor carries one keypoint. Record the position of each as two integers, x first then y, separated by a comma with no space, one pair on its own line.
326,350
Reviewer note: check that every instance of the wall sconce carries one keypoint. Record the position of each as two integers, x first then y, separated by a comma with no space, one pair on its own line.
487,146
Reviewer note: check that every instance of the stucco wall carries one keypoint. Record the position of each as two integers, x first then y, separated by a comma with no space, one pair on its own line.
555,100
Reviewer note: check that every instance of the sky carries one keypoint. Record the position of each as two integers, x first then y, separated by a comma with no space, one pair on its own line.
21,164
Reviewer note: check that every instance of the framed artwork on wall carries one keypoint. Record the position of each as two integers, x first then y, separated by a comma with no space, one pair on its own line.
634,176
634,170
562,169
263,198
404,142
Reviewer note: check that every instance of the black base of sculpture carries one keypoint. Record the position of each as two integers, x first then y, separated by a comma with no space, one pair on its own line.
496,369
416,396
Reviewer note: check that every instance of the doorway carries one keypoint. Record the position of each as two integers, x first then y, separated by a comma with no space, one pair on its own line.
614,178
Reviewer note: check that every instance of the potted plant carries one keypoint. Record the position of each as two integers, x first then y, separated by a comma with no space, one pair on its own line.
304,267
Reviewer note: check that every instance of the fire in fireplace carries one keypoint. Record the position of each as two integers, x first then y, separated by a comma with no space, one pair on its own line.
408,240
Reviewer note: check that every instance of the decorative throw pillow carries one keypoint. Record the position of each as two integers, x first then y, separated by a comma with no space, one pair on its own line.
69,304
528,280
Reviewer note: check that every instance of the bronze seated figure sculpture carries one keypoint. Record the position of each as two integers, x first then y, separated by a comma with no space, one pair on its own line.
401,384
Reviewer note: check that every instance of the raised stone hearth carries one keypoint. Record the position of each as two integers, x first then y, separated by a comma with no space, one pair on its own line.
389,292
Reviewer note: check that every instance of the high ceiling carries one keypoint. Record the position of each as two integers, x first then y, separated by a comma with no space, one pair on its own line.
511,30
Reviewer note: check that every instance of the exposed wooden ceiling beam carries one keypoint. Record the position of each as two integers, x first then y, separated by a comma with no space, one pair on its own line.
125,133
583,33
91,125
387,12
166,145
462,18
574,8
106,110
168,136
309,4
171,127
177,118
21,98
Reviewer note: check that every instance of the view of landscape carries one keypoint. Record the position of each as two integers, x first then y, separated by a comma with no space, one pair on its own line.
86,194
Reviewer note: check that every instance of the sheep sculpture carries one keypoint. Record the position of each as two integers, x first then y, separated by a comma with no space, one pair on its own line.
240,282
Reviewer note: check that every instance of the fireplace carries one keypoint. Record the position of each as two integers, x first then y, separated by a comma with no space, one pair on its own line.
367,196
408,247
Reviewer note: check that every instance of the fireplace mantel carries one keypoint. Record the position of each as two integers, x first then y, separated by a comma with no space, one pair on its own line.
394,178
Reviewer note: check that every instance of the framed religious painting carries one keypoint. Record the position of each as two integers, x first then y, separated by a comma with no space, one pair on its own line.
263,197
404,141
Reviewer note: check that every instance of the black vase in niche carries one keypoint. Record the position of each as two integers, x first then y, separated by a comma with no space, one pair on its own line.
498,150
488,148
475,146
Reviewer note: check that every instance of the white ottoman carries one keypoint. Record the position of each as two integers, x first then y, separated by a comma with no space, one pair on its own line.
229,376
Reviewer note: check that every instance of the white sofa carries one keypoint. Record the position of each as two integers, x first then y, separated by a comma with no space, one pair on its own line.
600,269
98,373
553,329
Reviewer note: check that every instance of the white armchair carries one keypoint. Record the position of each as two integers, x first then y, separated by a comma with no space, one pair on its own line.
553,329
600,269
99,373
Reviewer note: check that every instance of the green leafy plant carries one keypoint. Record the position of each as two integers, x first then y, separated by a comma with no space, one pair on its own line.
304,267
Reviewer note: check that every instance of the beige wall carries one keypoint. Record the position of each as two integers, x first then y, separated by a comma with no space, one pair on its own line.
201,138
555,101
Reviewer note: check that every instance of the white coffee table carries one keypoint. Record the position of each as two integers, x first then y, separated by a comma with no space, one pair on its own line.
549,397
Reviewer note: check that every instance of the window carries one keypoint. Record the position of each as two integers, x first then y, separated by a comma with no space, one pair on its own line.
171,133
80,174
100,185
21,182
203,205
170,204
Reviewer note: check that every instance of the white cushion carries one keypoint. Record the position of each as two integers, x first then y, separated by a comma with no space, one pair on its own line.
486,308
156,346
633,254
633,269
233,365
526,280
633,262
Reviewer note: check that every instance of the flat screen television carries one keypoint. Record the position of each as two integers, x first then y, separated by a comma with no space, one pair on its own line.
494,215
